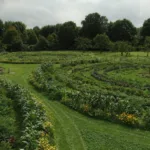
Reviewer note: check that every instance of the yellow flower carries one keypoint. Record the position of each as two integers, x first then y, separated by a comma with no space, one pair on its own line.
44,145
86,108
128,118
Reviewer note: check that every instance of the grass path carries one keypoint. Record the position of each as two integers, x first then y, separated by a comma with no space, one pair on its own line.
67,134
74,131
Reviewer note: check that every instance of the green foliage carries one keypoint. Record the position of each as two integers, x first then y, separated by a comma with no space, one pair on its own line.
146,28
1,28
53,41
63,36
94,24
75,77
20,26
147,118
36,30
5,146
16,45
46,30
82,43
31,114
32,38
67,34
10,35
13,40
123,47
102,42
3,47
43,44
147,44
113,98
8,24
122,30
8,126
24,37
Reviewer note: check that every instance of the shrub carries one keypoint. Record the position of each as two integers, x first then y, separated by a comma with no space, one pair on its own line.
102,42
82,43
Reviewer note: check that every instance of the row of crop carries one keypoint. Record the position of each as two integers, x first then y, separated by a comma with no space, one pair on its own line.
79,62
36,131
123,65
79,73
105,78
35,57
42,76
105,106
129,87
110,106
77,79
124,86
8,122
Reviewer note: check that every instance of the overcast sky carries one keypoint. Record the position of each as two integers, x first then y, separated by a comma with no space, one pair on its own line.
43,12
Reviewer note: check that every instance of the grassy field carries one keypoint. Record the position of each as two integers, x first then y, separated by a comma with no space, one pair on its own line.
74,131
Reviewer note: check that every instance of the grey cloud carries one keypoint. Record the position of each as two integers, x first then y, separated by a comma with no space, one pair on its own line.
42,12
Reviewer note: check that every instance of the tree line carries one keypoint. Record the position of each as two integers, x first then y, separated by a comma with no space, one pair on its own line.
96,33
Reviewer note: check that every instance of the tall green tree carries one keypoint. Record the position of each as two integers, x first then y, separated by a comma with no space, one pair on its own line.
13,40
8,24
146,28
10,35
32,38
94,24
53,41
121,30
3,47
20,26
46,30
102,42
1,28
67,34
147,44
36,29
57,28
82,43
42,44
